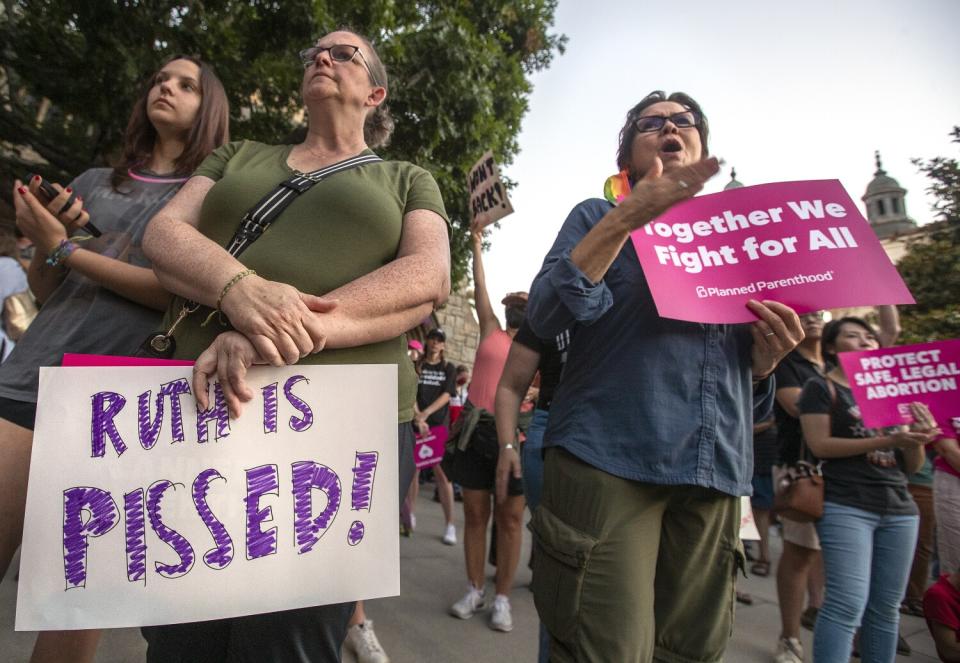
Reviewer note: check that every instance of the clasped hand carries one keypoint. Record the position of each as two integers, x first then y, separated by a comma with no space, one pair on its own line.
275,324
279,320
921,432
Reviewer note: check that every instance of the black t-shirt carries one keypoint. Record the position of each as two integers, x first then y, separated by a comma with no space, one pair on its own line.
435,380
874,481
553,355
793,371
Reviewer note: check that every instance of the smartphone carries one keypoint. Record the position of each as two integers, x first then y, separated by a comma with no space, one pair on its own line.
47,189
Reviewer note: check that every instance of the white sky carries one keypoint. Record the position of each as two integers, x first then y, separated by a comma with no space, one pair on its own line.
793,91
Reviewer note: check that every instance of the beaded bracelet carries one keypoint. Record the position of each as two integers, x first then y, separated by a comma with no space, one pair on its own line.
232,282
60,254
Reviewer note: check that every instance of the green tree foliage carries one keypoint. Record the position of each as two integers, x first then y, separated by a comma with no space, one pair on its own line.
69,72
931,267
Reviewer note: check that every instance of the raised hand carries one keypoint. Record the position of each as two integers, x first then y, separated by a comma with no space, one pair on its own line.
657,192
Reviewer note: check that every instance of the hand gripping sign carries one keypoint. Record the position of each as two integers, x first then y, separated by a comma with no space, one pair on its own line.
429,448
884,382
142,510
804,244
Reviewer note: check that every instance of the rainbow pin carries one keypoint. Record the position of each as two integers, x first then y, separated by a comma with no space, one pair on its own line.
617,187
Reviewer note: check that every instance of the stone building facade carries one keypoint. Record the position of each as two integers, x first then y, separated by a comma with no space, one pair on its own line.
459,322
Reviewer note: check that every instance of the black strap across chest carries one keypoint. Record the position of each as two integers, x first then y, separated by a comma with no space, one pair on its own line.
259,217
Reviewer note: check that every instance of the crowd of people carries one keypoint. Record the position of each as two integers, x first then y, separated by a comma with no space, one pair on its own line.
630,437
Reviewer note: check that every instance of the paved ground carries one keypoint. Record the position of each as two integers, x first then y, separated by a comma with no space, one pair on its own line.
415,627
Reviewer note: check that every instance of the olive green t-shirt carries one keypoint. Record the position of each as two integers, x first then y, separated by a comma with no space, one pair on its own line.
341,229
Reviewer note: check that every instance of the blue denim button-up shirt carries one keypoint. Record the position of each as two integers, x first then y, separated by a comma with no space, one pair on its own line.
643,397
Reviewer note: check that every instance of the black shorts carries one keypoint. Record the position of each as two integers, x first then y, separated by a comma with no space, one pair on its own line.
305,634
21,413
476,471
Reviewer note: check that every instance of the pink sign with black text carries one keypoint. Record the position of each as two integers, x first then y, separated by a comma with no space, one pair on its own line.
884,382
804,244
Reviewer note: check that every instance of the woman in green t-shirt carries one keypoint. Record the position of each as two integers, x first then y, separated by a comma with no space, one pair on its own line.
347,268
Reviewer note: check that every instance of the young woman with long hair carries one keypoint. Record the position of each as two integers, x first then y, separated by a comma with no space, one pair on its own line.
99,295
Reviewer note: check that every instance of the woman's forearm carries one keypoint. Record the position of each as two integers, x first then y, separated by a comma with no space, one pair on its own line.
437,405
42,278
949,450
186,262
844,447
594,254
518,373
398,296
913,459
507,403
138,284
353,328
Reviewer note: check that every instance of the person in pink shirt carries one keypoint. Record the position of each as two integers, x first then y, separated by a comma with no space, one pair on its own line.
472,459
941,607
946,499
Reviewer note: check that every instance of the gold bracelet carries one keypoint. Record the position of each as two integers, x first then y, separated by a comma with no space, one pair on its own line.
232,282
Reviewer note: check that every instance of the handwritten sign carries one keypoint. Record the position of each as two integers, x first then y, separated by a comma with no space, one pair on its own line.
488,196
804,244
884,382
428,449
142,510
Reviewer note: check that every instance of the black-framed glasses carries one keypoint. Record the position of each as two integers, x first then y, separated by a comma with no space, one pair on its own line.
687,119
339,53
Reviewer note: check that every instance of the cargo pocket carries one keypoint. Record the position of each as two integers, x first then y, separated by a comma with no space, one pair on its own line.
559,565
738,562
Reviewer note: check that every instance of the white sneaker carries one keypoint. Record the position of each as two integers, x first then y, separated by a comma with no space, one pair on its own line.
469,604
450,535
789,650
362,641
500,618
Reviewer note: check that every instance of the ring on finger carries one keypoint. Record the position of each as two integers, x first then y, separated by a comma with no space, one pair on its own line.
682,184
770,334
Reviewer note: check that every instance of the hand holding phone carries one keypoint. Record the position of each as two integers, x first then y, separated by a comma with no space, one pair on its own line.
47,193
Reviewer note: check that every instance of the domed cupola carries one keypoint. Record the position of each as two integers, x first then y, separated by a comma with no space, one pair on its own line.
733,183
886,204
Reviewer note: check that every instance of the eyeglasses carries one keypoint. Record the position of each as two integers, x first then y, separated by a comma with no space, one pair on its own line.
685,120
339,53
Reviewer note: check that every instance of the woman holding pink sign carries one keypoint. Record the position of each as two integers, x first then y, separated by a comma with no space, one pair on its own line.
436,386
870,521
648,445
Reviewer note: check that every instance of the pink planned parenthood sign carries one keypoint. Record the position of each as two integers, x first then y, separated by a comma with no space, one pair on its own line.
884,382
804,244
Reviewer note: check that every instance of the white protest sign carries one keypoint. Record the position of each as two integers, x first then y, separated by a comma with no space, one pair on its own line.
143,511
488,196
748,526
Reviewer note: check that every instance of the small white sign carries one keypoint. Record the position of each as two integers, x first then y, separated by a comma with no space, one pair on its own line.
488,196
